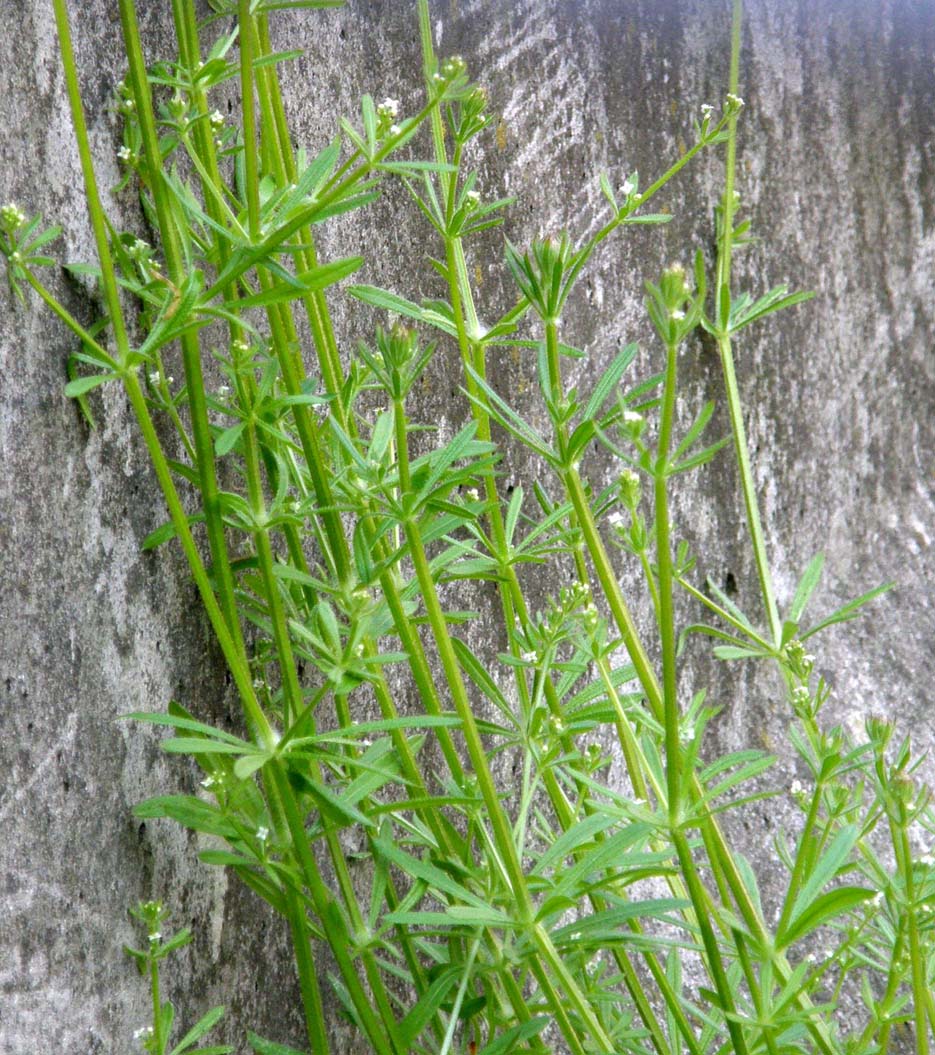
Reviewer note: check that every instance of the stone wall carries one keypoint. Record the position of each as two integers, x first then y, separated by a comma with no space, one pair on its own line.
837,174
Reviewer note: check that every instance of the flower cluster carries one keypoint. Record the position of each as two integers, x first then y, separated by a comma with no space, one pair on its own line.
12,218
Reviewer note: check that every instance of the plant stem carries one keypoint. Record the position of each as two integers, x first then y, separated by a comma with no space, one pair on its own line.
191,353
502,830
667,632
735,409
160,1041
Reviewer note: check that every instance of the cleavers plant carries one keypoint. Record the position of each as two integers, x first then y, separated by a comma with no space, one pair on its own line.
327,537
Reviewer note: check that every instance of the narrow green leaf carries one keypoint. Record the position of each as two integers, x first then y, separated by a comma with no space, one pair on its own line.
428,873
270,1047
605,926
723,307
228,439
202,1026
249,764
806,587
505,416
823,873
474,916
848,611
419,1016
181,722
184,745
580,834
837,902
386,301
302,284
337,806
507,1043
80,385
189,812
276,57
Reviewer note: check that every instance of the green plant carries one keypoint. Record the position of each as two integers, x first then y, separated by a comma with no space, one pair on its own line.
554,912
156,1037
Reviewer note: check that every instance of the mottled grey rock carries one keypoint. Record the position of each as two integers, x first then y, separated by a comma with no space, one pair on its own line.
837,174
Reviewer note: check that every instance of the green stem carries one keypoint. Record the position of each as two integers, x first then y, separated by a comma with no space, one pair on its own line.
70,321
293,703
735,409
339,939
667,632
502,830
160,1041
95,210
754,524
803,859
236,662
191,352
312,1005
917,960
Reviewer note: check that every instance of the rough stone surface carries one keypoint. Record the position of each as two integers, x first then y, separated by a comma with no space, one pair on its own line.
838,176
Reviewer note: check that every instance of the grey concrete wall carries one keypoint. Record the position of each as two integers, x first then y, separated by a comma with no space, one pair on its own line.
838,175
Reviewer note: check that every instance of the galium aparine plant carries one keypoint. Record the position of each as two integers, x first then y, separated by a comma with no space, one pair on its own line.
328,535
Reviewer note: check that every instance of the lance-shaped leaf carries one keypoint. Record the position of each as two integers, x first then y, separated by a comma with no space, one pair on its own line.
306,282
507,418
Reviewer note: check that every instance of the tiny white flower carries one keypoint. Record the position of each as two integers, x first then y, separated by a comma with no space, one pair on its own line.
170,380
473,495
796,787
628,186
389,107
706,110
262,834
208,782
616,519
224,390
154,937
142,1033
154,377
216,119
395,130
124,153
734,100
258,683
631,417
678,315
528,657
877,900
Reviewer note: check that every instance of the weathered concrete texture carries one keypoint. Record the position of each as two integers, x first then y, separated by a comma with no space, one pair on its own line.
837,174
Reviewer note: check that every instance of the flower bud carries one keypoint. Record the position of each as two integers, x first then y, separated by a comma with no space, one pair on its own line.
12,217
630,488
